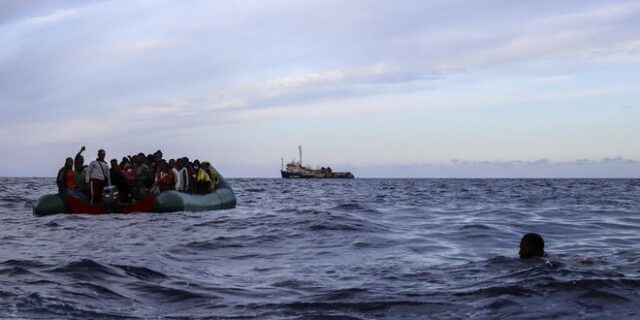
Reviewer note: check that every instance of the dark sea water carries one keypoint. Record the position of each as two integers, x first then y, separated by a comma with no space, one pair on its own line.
359,249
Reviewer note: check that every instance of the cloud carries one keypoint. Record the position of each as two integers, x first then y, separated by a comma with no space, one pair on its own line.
375,72
139,46
122,47
54,17
55,132
15,11
167,69
607,14
619,161
172,108
221,109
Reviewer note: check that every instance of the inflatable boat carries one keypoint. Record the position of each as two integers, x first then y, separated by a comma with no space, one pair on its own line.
168,201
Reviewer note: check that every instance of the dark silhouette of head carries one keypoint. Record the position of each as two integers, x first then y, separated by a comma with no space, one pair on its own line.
79,162
162,165
531,245
157,156
68,163
101,154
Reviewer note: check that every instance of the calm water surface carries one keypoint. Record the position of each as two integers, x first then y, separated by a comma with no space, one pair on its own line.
359,249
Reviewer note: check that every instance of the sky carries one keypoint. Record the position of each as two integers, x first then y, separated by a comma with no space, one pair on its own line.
488,88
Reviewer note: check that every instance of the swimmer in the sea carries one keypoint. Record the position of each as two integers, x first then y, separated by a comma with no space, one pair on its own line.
532,246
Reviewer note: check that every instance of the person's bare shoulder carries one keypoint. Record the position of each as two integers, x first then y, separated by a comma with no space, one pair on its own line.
583,260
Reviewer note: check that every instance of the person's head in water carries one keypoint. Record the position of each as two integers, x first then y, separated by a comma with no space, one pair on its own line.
531,245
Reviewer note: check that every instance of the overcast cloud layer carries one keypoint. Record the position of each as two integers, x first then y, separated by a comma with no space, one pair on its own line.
383,88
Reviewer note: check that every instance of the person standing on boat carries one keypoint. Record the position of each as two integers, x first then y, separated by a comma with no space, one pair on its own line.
98,176
79,173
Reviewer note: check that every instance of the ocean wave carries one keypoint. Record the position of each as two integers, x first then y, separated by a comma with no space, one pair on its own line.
368,249
15,272
27,264
496,291
167,294
376,309
353,207
142,273
40,306
89,290
86,268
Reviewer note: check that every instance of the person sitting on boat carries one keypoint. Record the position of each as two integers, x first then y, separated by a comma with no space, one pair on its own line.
65,180
156,157
203,179
172,164
195,167
213,174
181,175
129,176
125,160
143,177
117,179
79,172
115,172
164,178
191,175
98,177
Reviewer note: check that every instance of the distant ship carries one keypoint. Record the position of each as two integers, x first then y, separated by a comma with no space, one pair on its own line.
295,170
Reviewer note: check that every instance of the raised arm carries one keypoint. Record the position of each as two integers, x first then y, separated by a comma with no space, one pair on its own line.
80,152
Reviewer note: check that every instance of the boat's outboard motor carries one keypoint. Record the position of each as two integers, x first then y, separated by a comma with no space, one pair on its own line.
110,198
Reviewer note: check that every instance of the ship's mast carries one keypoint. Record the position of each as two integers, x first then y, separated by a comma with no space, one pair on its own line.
281,163
300,150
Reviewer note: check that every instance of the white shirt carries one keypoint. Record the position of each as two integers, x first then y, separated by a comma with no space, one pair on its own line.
98,170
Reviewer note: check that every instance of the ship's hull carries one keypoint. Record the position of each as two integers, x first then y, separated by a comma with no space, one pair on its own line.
314,175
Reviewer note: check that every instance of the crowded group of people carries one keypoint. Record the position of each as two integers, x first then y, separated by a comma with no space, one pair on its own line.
135,177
